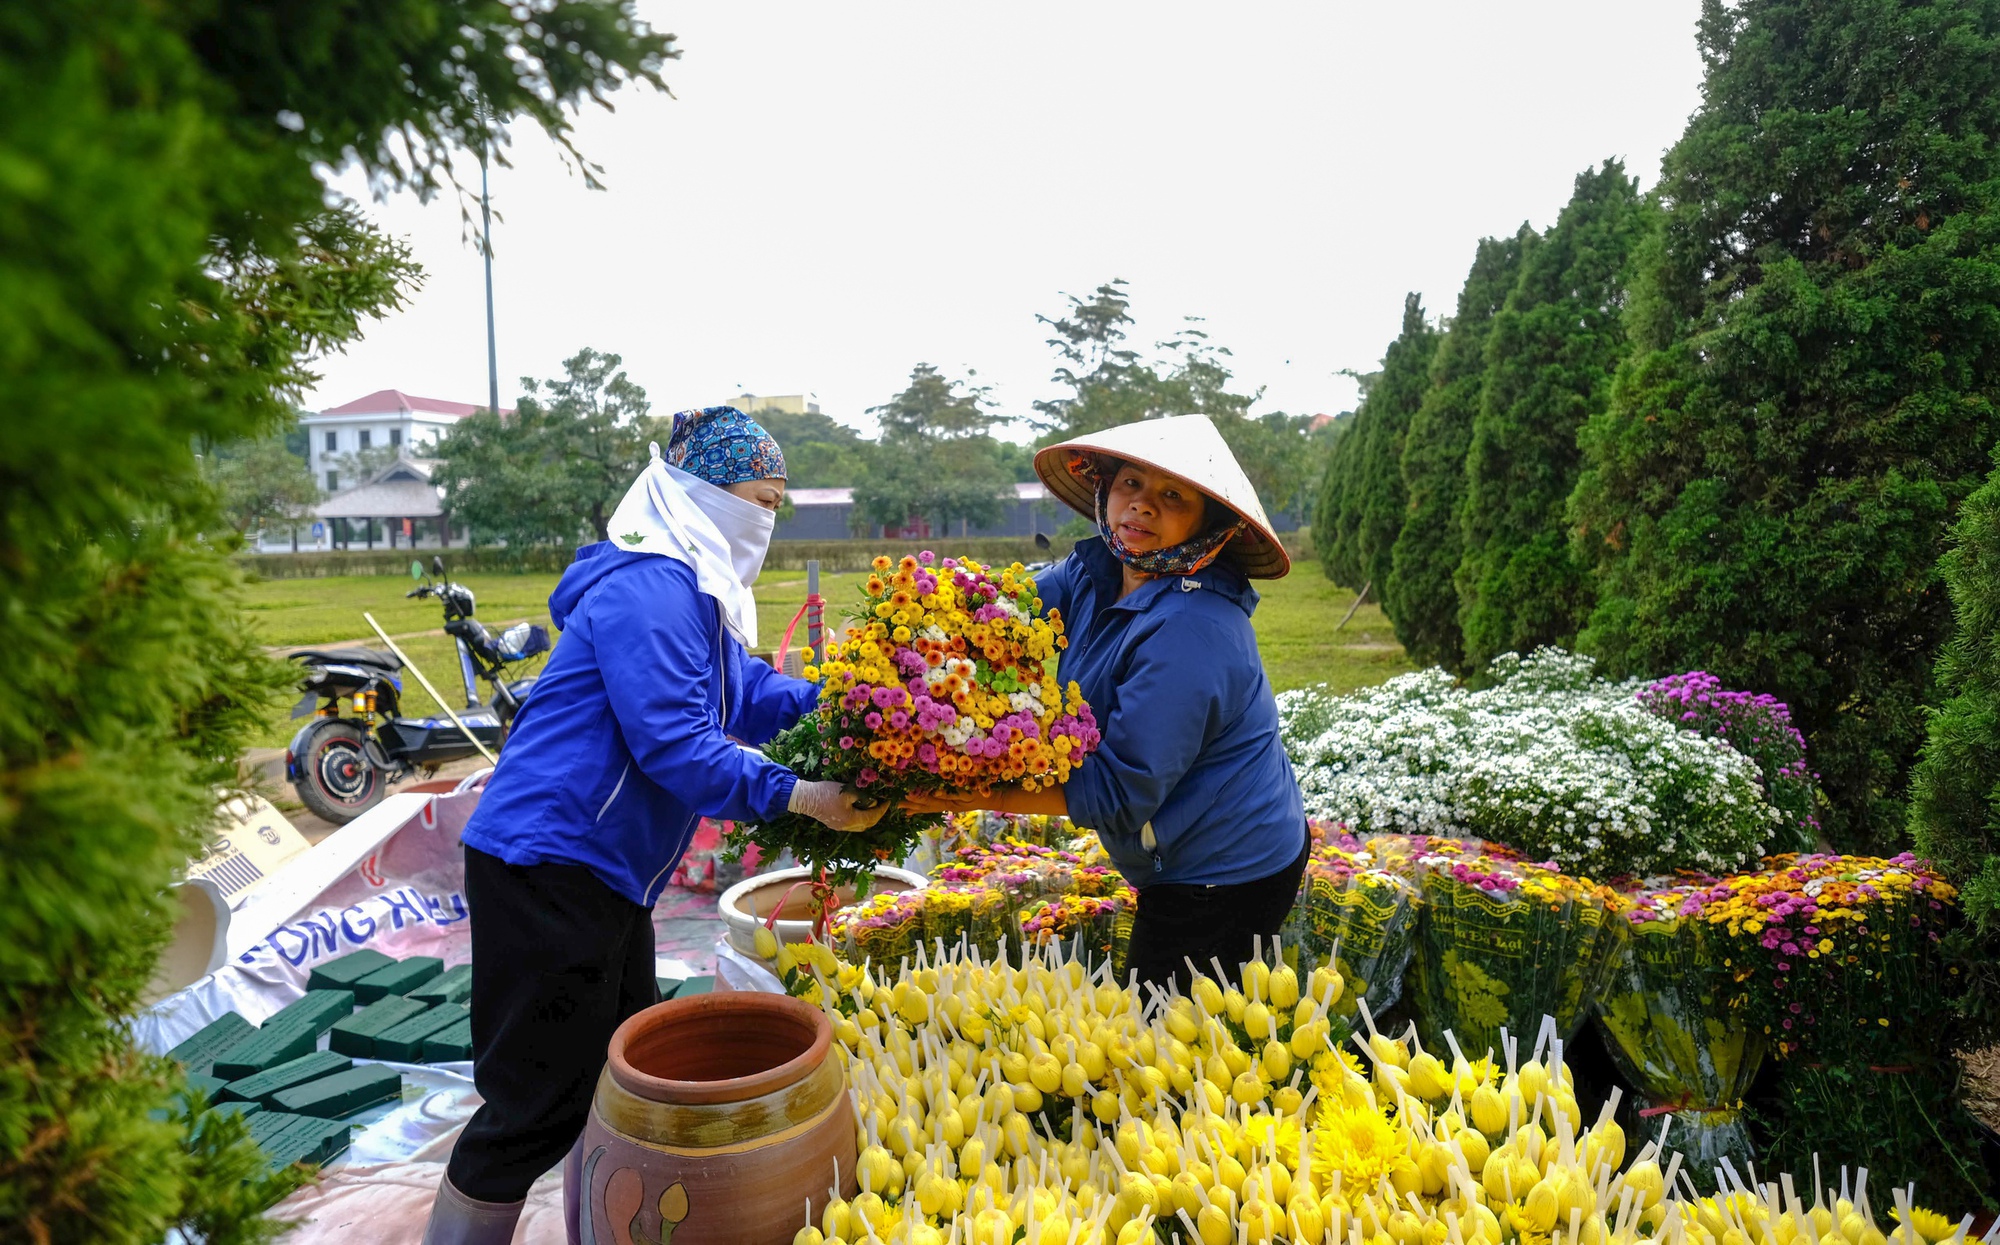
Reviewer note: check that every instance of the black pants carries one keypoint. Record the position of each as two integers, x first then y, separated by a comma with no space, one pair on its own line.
559,960
1177,923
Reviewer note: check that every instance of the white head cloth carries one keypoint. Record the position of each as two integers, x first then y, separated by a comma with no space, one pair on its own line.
720,535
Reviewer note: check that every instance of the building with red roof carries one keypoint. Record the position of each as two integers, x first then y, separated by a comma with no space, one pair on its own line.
345,442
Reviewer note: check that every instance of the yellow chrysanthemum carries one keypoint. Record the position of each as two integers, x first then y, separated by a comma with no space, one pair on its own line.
1259,1131
1359,1142
1931,1225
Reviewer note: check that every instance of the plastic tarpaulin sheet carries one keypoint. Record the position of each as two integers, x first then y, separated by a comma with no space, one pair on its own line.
392,880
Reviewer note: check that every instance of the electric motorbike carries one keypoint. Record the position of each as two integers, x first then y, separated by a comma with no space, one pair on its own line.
343,762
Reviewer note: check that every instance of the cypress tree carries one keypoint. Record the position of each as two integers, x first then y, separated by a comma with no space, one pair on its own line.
171,264
1361,502
1337,516
1549,361
1955,789
1769,490
1420,597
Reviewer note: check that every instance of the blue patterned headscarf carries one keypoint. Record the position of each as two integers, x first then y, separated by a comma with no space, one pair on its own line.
723,446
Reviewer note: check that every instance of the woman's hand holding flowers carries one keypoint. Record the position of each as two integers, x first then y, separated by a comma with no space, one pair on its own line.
833,805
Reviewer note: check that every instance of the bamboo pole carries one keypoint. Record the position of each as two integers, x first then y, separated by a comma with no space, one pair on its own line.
404,658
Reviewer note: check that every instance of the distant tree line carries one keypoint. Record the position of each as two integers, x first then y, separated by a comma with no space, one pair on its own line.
551,471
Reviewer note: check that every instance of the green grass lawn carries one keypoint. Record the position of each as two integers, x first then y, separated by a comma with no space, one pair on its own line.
1295,634
1294,625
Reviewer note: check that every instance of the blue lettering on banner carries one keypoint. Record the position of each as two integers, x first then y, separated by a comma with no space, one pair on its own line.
400,902
347,927
294,958
437,908
315,936
323,929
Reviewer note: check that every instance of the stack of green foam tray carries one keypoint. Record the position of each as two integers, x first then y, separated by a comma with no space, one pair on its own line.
198,1053
356,1034
289,1034
405,1041
668,986
210,1087
260,1087
695,985
199,1089
247,1110
450,1045
454,986
236,1108
342,973
342,1094
287,1139
398,978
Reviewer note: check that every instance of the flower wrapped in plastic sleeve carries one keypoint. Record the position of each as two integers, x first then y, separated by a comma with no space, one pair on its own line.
1358,917
1671,1029
1502,943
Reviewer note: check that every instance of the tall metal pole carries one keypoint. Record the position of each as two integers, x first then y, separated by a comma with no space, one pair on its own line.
486,245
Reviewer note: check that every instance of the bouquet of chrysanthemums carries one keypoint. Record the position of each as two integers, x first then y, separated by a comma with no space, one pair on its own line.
944,680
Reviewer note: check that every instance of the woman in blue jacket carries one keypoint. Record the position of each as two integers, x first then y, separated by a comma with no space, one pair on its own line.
630,737
1190,792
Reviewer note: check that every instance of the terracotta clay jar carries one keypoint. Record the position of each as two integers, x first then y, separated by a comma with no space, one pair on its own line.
717,1118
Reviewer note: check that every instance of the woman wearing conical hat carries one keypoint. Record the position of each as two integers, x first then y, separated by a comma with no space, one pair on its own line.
1190,791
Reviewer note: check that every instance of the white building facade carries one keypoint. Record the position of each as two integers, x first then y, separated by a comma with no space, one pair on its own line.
387,419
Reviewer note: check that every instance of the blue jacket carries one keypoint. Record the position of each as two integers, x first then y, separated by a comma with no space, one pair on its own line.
624,743
1190,725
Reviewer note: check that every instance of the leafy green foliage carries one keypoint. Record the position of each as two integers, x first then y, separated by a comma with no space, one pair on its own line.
937,458
1908,1119
1419,594
820,451
1549,359
259,481
1278,454
1112,384
846,856
1361,501
172,266
555,469
1768,491
1955,789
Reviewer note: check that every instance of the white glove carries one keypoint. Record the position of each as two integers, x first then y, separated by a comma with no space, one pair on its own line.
833,804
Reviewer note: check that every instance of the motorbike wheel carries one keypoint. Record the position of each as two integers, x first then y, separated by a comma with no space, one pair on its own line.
337,782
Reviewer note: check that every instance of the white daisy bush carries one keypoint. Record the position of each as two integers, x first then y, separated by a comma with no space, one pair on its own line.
1549,759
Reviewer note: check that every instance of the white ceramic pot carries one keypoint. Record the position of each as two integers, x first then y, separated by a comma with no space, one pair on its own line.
750,903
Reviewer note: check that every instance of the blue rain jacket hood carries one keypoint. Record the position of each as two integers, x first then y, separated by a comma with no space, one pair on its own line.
625,742
1191,784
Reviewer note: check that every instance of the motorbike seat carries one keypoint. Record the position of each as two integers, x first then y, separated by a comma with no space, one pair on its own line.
367,658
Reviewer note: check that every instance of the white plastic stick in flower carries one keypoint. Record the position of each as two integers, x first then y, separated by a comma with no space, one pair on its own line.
1367,1018
1543,1036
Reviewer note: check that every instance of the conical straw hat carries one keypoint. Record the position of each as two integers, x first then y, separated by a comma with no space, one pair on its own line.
1187,446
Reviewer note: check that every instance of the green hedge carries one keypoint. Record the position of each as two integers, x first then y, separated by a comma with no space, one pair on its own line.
397,562
785,555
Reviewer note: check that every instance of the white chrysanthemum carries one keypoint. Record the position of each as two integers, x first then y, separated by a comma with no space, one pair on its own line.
1550,759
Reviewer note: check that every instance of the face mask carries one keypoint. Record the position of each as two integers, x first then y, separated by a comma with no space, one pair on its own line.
722,537
746,525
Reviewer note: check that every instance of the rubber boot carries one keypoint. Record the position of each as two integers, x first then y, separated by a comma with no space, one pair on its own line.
458,1220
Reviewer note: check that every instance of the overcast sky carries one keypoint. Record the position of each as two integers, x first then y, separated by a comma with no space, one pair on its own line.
838,192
